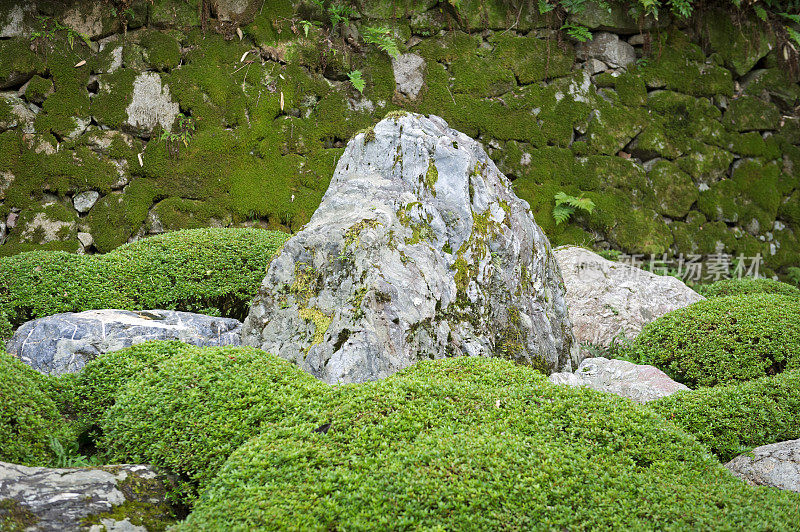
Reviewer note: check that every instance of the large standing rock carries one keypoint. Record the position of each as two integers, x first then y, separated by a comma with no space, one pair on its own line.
608,48
64,343
124,498
607,298
776,465
419,250
638,382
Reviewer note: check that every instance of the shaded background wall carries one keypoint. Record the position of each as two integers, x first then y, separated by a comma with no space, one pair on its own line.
119,120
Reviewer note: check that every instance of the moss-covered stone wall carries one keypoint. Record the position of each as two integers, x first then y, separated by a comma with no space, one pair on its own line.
686,137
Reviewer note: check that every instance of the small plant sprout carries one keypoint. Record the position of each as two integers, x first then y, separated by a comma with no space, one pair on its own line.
566,206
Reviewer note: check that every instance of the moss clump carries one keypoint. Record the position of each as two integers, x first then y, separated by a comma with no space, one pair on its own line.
442,446
745,287
724,339
29,417
14,517
674,191
431,177
321,323
196,407
216,271
161,51
734,418
747,113
38,89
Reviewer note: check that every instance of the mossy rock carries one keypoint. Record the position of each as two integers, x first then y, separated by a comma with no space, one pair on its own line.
436,447
17,62
481,76
728,419
748,113
750,194
161,51
741,44
705,163
500,15
175,13
38,89
724,339
48,223
378,9
789,209
774,83
630,228
674,190
614,127
173,214
116,217
530,58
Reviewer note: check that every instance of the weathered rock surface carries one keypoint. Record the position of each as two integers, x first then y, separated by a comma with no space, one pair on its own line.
83,201
638,382
776,465
608,48
419,250
607,298
18,116
64,343
151,104
409,75
120,498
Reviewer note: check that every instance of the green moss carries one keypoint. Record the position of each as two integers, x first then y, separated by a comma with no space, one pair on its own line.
110,104
38,89
450,434
628,228
175,13
740,41
705,163
614,127
17,58
747,113
115,218
674,191
751,193
14,517
321,323
161,51
730,419
431,177
724,339
530,58
179,213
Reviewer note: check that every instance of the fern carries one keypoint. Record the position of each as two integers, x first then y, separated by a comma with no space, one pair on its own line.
545,7
577,32
382,38
357,80
566,206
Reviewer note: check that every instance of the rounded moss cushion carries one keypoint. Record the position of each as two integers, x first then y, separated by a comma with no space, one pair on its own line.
743,287
479,444
189,411
29,417
737,417
724,339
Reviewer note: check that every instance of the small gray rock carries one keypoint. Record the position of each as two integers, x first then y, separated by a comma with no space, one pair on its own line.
64,343
42,499
151,104
419,250
608,48
640,383
409,75
84,201
86,239
607,298
776,465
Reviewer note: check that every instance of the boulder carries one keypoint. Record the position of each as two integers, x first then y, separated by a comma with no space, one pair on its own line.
64,343
606,298
637,382
120,497
83,201
776,465
151,104
409,75
420,249
608,48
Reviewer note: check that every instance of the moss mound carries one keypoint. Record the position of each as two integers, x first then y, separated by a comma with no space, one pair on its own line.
724,339
479,444
213,271
735,418
190,411
29,417
743,287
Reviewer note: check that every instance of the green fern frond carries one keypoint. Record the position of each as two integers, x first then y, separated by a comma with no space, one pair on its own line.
382,38
561,213
357,80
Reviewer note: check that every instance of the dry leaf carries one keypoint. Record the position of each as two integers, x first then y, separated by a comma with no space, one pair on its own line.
80,64
239,33
243,56
141,163
281,100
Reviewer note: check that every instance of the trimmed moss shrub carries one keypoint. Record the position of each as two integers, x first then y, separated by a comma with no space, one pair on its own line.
743,287
480,444
213,271
724,339
733,419
28,415
192,410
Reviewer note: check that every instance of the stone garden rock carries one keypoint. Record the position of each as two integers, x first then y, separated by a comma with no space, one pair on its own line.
776,465
608,298
151,104
121,498
641,383
64,343
420,249
608,48
409,75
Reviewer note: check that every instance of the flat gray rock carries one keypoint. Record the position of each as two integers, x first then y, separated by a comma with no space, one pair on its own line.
419,250
607,298
608,48
776,465
409,75
640,383
42,499
64,343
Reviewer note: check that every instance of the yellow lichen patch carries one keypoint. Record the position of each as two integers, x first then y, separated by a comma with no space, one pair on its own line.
321,323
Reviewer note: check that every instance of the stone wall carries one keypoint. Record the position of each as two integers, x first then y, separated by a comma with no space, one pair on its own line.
686,137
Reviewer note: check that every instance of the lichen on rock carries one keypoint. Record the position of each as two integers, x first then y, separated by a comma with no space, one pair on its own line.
402,262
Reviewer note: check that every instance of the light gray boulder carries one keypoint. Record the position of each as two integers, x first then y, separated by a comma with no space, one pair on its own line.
608,48
607,298
19,116
64,343
776,465
84,201
151,104
420,249
108,498
637,382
